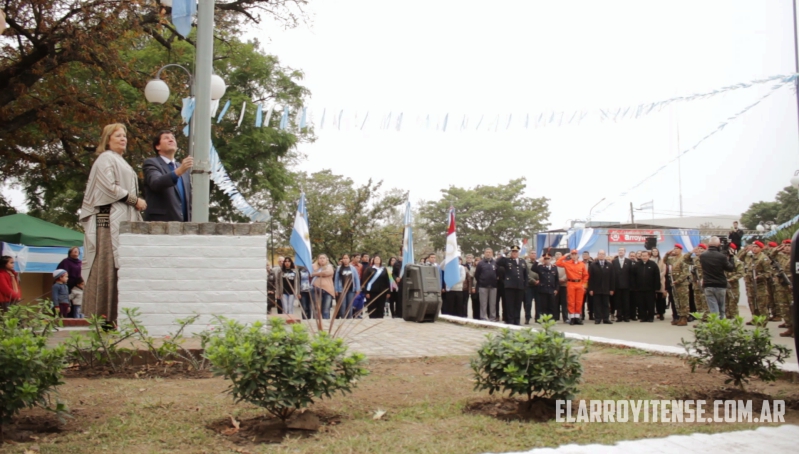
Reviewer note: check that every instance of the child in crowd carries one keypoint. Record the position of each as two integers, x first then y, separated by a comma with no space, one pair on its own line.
61,292
76,298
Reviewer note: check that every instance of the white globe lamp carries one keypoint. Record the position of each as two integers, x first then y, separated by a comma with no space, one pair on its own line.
218,87
156,91
760,228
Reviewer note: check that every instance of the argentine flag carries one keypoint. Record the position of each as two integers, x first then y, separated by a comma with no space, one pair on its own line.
407,241
300,238
451,263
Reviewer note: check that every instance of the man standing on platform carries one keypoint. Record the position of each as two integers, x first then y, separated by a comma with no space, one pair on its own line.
485,277
589,301
646,280
622,267
548,285
530,293
576,282
167,184
758,271
514,270
678,270
733,285
601,285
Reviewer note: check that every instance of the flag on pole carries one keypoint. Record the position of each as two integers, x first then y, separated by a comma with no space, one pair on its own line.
523,252
451,262
300,238
407,240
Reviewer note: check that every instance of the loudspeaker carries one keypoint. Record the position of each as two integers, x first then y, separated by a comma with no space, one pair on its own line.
650,242
421,293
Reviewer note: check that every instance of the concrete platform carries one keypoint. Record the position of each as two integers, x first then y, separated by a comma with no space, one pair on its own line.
763,440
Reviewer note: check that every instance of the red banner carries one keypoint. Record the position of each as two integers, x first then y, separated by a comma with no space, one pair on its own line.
633,236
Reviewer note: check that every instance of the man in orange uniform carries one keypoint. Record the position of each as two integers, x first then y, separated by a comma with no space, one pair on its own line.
577,280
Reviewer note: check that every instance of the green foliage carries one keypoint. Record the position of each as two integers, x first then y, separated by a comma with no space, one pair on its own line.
281,369
737,352
344,218
100,346
783,209
487,216
528,363
74,67
30,371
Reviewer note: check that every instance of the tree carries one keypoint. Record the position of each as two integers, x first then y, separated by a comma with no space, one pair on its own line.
68,67
486,216
343,218
785,208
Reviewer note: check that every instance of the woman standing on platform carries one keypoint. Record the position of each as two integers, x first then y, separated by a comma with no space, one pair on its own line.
376,288
112,196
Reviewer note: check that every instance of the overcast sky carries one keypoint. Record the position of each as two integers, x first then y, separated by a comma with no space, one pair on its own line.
433,57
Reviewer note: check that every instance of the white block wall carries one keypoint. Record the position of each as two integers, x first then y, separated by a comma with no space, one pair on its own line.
171,277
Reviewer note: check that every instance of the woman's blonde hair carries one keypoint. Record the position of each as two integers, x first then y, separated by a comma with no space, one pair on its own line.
107,131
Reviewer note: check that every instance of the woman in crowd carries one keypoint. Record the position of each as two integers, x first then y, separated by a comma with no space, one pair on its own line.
347,284
377,286
393,294
287,280
305,292
322,283
9,283
112,196
72,265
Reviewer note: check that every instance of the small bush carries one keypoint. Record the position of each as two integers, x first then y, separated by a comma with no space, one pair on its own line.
737,352
281,369
29,370
542,364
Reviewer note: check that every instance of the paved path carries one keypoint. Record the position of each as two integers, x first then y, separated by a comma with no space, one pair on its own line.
765,439
661,333
386,338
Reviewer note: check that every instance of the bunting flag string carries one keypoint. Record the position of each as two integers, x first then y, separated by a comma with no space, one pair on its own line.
222,180
224,111
715,131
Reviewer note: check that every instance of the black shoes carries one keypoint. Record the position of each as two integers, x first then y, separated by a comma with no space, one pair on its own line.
607,322
597,322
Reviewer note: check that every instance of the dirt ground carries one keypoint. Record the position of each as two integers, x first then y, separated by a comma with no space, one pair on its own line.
429,405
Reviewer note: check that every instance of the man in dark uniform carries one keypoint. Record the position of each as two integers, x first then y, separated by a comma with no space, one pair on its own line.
530,293
601,284
621,296
548,286
514,272
646,280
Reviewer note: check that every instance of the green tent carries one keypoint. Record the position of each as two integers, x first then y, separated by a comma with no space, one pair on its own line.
30,231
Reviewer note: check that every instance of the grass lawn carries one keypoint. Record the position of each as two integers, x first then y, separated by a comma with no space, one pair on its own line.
424,401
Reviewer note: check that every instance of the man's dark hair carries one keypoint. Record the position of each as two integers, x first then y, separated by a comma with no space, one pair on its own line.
157,139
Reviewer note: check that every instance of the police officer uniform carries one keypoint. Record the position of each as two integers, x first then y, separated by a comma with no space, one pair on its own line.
514,272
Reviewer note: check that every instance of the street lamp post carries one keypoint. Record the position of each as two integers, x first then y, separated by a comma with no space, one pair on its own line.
157,92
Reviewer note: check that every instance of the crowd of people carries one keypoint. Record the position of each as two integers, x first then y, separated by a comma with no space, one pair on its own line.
637,286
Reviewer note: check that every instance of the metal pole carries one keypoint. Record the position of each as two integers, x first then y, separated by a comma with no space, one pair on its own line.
632,216
200,176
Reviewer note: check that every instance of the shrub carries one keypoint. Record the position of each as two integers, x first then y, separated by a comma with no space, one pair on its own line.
544,363
281,369
737,352
29,370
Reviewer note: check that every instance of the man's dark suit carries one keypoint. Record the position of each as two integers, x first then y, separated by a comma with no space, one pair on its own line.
621,295
601,281
161,191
